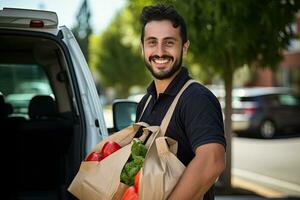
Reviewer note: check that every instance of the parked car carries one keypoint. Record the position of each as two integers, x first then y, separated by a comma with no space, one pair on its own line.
43,151
265,111
258,111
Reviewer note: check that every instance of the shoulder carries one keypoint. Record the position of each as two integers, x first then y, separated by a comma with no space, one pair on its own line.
198,93
198,99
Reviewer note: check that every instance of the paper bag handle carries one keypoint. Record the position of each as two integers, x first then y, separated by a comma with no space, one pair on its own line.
137,125
165,145
165,122
146,104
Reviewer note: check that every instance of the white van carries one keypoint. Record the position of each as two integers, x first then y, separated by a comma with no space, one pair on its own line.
47,133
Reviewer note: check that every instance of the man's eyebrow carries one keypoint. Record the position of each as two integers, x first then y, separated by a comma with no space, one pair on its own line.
150,38
166,38
170,38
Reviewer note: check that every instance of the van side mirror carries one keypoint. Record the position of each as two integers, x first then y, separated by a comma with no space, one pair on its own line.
124,113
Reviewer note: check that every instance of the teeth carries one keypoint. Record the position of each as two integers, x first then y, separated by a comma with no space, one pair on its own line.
161,61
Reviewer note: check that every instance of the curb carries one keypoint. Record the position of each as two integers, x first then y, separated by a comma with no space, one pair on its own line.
256,188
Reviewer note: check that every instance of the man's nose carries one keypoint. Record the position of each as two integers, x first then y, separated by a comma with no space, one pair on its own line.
160,50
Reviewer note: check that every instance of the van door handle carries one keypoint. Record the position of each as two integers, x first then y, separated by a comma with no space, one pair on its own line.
97,123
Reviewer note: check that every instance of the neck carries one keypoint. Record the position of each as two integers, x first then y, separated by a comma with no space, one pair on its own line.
161,85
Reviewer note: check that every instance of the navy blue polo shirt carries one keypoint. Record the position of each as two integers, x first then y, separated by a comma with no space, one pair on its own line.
197,118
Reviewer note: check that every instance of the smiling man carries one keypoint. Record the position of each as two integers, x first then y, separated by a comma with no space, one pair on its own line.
163,53
197,123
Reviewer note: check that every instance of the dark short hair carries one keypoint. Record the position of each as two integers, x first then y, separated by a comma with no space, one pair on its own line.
161,12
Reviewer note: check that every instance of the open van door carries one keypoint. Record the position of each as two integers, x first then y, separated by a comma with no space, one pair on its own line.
52,131
96,128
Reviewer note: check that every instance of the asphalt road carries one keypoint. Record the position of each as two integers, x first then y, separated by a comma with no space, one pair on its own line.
273,164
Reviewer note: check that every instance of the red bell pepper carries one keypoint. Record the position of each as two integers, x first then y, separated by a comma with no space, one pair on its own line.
130,194
94,156
109,147
137,181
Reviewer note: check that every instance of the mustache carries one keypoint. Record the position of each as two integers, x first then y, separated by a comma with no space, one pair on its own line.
163,57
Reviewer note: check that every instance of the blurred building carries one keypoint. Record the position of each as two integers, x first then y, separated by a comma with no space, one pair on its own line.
288,72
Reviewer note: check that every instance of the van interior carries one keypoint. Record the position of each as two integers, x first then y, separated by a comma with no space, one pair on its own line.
41,130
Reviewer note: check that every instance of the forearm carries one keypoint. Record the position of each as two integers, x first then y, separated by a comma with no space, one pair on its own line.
200,174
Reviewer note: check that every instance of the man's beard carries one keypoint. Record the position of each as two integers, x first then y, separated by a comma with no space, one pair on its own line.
164,74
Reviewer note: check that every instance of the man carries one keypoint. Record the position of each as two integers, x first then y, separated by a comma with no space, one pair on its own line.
197,123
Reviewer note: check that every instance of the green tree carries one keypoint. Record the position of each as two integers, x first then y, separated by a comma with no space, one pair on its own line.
226,34
119,58
83,30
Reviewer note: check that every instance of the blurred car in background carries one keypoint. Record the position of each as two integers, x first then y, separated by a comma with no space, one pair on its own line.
265,111
258,111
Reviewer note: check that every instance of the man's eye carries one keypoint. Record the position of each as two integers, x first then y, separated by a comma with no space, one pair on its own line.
151,43
170,43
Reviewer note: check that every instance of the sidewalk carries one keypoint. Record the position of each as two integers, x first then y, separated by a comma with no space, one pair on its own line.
244,190
242,194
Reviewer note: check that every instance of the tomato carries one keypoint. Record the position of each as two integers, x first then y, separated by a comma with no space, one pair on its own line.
94,156
130,194
137,181
109,147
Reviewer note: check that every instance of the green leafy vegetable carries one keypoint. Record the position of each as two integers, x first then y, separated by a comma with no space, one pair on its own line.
138,149
135,162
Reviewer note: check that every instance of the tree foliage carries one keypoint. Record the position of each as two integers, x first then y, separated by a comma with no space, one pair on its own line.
225,35
119,58
83,30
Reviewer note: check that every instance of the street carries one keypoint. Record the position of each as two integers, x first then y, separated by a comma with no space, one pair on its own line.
272,164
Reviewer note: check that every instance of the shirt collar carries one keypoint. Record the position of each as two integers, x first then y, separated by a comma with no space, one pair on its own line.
174,87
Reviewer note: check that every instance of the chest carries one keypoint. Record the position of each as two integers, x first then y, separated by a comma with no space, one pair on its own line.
154,114
157,109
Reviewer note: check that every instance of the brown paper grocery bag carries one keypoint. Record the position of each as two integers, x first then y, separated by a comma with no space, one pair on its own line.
122,137
103,178
161,170
105,182
91,194
120,191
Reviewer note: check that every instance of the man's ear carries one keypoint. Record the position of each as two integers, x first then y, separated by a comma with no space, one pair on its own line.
186,47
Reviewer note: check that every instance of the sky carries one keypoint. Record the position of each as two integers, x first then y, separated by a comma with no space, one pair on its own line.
102,11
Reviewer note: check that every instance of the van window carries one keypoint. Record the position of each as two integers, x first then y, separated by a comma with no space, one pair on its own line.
19,83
